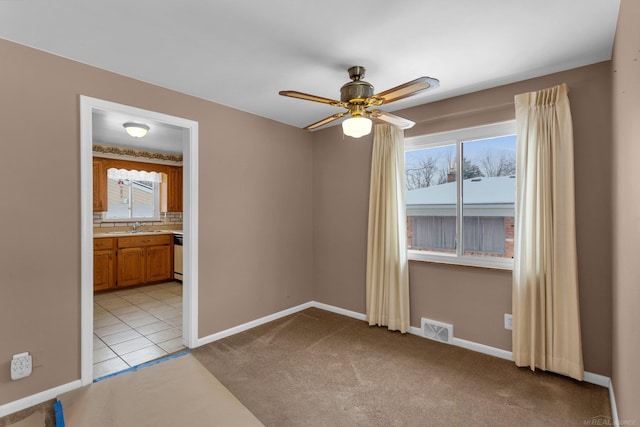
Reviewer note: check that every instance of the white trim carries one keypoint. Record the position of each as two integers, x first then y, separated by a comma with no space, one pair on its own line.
471,133
495,263
589,377
484,349
597,379
339,310
614,407
190,232
190,223
456,138
35,399
252,324
86,241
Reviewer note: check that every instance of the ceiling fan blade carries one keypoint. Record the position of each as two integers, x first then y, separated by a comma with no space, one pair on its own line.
408,89
392,119
306,96
326,120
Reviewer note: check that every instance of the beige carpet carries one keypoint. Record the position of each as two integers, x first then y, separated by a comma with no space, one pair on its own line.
316,368
176,392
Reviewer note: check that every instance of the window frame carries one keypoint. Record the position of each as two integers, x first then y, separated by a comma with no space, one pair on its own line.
157,196
457,137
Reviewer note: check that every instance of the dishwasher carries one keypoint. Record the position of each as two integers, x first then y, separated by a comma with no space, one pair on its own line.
177,257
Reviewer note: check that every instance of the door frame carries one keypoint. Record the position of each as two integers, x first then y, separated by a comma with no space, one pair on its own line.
189,218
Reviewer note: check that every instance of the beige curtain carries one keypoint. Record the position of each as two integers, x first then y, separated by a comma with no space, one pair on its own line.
546,316
387,265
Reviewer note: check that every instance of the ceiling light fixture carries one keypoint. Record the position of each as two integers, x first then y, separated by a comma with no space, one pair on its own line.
136,130
356,127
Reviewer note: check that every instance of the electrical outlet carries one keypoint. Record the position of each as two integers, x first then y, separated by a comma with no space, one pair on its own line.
508,321
21,366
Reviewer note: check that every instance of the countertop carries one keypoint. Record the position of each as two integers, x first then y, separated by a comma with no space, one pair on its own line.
99,234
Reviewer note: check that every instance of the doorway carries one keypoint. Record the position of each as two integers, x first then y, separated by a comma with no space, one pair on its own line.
189,136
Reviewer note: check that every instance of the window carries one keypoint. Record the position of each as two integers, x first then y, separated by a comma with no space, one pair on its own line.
461,196
133,194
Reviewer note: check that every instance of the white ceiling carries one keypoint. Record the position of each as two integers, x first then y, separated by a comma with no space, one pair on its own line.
241,53
108,129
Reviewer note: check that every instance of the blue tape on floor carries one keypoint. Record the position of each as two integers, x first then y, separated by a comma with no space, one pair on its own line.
57,407
143,365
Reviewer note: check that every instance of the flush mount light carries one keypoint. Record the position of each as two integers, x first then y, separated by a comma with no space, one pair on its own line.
136,130
356,127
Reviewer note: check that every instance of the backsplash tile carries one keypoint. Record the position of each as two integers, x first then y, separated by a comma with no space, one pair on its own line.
172,219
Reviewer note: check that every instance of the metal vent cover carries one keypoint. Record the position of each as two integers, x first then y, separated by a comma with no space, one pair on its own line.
437,331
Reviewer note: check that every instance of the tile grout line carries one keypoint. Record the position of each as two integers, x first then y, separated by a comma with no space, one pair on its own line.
156,346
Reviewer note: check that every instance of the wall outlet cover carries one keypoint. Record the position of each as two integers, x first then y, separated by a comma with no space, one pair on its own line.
508,321
21,366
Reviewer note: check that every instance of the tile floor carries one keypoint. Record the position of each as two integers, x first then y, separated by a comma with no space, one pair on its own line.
134,326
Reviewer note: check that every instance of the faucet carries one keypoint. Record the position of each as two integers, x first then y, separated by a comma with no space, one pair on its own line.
135,227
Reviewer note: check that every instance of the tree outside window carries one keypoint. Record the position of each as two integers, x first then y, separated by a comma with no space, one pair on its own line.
471,218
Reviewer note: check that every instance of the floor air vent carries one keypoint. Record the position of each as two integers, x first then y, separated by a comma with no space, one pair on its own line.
437,331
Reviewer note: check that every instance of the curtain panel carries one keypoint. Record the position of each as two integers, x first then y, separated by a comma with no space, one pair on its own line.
546,316
387,280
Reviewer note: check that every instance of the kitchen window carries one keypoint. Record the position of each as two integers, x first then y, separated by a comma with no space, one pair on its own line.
133,195
460,196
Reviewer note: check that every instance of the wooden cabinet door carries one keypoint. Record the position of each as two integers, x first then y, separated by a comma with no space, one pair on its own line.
174,192
103,277
159,266
131,266
99,186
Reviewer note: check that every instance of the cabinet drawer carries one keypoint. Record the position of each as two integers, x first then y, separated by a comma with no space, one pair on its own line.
138,241
104,243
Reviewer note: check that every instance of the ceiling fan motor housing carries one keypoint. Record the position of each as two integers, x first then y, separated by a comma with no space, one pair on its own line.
356,91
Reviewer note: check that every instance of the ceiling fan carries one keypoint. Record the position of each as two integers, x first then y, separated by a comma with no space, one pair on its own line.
357,96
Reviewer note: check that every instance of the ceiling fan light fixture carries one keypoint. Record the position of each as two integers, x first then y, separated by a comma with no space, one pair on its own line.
136,130
356,127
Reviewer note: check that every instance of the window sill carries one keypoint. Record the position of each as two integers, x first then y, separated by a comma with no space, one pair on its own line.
493,263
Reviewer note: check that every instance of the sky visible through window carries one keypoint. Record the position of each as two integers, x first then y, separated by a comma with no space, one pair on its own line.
496,147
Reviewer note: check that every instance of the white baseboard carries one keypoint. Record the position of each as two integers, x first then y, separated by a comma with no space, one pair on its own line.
481,348
252,324
614,407
339,310
35,399
597,379
589,377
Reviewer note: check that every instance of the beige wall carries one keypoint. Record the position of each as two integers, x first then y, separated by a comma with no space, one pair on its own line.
473,299
255,210
282,220
626,213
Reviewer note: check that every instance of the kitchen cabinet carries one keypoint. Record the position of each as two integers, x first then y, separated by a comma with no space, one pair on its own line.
99,186
144,259
159,263
104,264
174,196
131,264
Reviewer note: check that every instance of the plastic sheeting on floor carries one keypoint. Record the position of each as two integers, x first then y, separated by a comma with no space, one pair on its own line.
175,392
